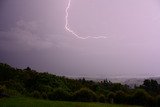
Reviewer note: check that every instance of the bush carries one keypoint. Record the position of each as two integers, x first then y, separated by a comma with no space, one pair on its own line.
85,95
129,99
36,94
151,101
120,97
14,85
2,89
141,97
8,92
102,98
59,94
158,100
11,92
3,92
44,95
111,97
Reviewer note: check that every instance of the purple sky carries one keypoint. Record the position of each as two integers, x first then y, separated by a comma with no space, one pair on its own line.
32,33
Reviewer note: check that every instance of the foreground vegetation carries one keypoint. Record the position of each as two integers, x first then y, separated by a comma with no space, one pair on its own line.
30,83
30,102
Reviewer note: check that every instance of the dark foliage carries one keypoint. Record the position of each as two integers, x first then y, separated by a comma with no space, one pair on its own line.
60,95
120,97
36,94
85,95
140,97
151,86
111,97
102,98
28,82
44,95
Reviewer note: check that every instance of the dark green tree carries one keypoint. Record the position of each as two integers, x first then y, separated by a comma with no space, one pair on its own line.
111,97
85,95
102,98
59,95
120,97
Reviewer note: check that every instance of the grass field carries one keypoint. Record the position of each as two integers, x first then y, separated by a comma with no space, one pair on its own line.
30,102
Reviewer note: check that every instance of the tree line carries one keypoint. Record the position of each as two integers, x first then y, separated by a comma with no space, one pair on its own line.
30,83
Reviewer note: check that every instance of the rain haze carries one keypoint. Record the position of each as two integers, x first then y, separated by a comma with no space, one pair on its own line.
33,33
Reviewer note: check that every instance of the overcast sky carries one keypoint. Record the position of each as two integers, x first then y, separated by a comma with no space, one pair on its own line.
32,33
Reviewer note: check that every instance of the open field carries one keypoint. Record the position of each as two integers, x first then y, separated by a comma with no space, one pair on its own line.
30,102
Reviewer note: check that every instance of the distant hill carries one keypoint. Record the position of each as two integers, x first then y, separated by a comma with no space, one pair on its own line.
138,81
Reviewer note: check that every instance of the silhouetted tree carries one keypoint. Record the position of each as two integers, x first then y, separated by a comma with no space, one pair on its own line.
151,86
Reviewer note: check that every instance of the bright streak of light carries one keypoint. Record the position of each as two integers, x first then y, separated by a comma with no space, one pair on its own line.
71,31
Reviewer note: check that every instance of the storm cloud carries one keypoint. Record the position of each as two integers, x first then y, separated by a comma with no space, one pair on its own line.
32,33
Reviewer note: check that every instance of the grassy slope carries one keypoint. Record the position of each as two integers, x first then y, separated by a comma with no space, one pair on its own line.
29,102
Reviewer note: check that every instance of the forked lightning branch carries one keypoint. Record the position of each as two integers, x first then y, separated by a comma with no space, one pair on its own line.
67,27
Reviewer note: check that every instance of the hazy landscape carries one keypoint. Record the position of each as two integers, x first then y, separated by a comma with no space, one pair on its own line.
79,53
19,86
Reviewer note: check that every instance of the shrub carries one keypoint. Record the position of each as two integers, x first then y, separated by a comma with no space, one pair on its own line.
2,89
85,95
36,94
158,100
129,99
102,98
59,94
14,85
151,101
120,97
11,92
111,97
8,92
3,92
141,97
44,95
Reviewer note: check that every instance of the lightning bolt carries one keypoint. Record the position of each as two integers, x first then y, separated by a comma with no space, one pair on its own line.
71,31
